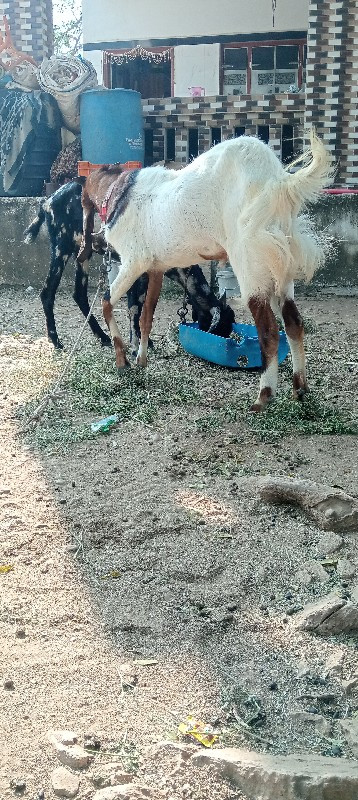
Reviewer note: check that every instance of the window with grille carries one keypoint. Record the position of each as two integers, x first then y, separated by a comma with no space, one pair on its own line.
235,70
274,69
263,69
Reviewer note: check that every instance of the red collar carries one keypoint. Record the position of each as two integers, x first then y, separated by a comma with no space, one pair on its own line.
104,207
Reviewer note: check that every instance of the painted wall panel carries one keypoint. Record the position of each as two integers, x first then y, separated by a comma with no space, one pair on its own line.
119,20
196,65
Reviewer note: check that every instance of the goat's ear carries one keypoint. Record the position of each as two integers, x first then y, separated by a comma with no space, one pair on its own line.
215,320
222,299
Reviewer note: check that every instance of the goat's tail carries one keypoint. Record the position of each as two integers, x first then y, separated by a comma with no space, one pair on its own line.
32,231
274,235
317,172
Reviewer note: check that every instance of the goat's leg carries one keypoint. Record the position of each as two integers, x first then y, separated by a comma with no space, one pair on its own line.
268,335
146,319
48,294
125,279
85,250
135,298
80,296
295,334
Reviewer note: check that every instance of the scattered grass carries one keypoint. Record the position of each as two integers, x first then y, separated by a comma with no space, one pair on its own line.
93,389
173,380
285,417
126,751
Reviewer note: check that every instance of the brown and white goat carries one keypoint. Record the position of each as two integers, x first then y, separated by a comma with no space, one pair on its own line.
235,199
62,216
106,190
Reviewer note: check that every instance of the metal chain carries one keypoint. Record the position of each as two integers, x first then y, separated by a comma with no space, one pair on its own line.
105,269
183,310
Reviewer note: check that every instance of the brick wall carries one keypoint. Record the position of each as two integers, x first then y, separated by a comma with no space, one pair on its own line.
226,113
332,78
31,25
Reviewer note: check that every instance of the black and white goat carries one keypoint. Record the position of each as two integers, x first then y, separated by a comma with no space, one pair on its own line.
63,215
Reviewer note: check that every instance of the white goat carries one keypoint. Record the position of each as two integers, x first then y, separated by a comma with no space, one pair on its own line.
235,202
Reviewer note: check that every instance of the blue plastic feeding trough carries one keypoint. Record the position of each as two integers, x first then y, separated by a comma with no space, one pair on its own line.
241,351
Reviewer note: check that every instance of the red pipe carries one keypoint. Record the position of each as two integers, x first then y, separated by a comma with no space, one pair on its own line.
341,191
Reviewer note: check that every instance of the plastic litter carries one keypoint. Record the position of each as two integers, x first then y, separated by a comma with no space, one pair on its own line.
114,573
103,425
203,733
5,568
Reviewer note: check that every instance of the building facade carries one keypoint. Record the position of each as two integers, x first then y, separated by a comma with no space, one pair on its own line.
31,26
209,71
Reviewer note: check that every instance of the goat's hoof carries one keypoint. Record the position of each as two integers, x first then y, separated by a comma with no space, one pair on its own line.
123,367
141,363
300,394
106,342
257,407
300,388
57,345
265,397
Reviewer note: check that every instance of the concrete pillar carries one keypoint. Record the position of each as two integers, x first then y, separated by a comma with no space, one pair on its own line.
331,82
31,26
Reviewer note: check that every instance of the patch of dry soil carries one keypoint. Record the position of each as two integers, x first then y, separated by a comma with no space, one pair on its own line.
119,555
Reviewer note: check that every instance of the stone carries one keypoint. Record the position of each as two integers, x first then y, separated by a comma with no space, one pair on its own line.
20,633
127,791
330,508
349,728
334,664
344,620
63,736
345,568
328,616
70,755
310,572
18,786
159,751
91,742
303,669
315,613
329,543
354,594
110,774
322,725
266,777
64,783
350,685
9,685
128,674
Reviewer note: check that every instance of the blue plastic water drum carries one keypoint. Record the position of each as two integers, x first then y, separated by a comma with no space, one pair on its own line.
243,352
112,126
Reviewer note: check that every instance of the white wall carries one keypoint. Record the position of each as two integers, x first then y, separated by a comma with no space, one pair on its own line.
196,65
96,58
120,20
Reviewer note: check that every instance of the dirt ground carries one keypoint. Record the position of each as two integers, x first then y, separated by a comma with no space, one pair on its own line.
145,544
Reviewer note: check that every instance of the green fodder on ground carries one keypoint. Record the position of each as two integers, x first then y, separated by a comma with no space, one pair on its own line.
211,398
